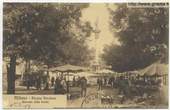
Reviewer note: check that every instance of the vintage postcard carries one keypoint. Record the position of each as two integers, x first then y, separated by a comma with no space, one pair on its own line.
85,55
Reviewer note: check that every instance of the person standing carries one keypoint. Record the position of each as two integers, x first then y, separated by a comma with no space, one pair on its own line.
110,81
52,81
64,86
36,82
124,89
99,82
113,82
83,83
47,82
74,81
28,81
39,83
57,86
105,81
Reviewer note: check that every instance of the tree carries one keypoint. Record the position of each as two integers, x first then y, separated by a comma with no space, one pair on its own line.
143,37
39,31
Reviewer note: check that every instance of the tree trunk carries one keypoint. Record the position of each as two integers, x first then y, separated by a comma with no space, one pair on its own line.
47,78
28,74
29,66
11,69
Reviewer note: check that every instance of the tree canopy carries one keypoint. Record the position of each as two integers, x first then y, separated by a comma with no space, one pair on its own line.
45,32
143,37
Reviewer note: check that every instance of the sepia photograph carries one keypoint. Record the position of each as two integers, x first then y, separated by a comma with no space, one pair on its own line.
98,55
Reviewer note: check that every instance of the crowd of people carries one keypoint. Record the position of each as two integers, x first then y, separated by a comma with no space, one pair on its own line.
61,86
124,84
130,86
37,81
59,83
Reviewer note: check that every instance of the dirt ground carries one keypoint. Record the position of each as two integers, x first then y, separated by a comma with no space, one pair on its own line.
93,101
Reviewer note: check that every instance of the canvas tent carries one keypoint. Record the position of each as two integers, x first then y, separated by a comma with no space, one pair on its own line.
158,69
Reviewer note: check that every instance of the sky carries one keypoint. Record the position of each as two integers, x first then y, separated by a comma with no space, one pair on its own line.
99,12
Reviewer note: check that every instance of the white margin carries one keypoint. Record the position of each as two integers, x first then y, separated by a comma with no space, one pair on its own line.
1,47
86,1
65,1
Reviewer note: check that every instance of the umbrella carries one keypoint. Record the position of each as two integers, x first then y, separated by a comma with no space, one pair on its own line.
133,72
69,68
155,69
85,74
104,72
